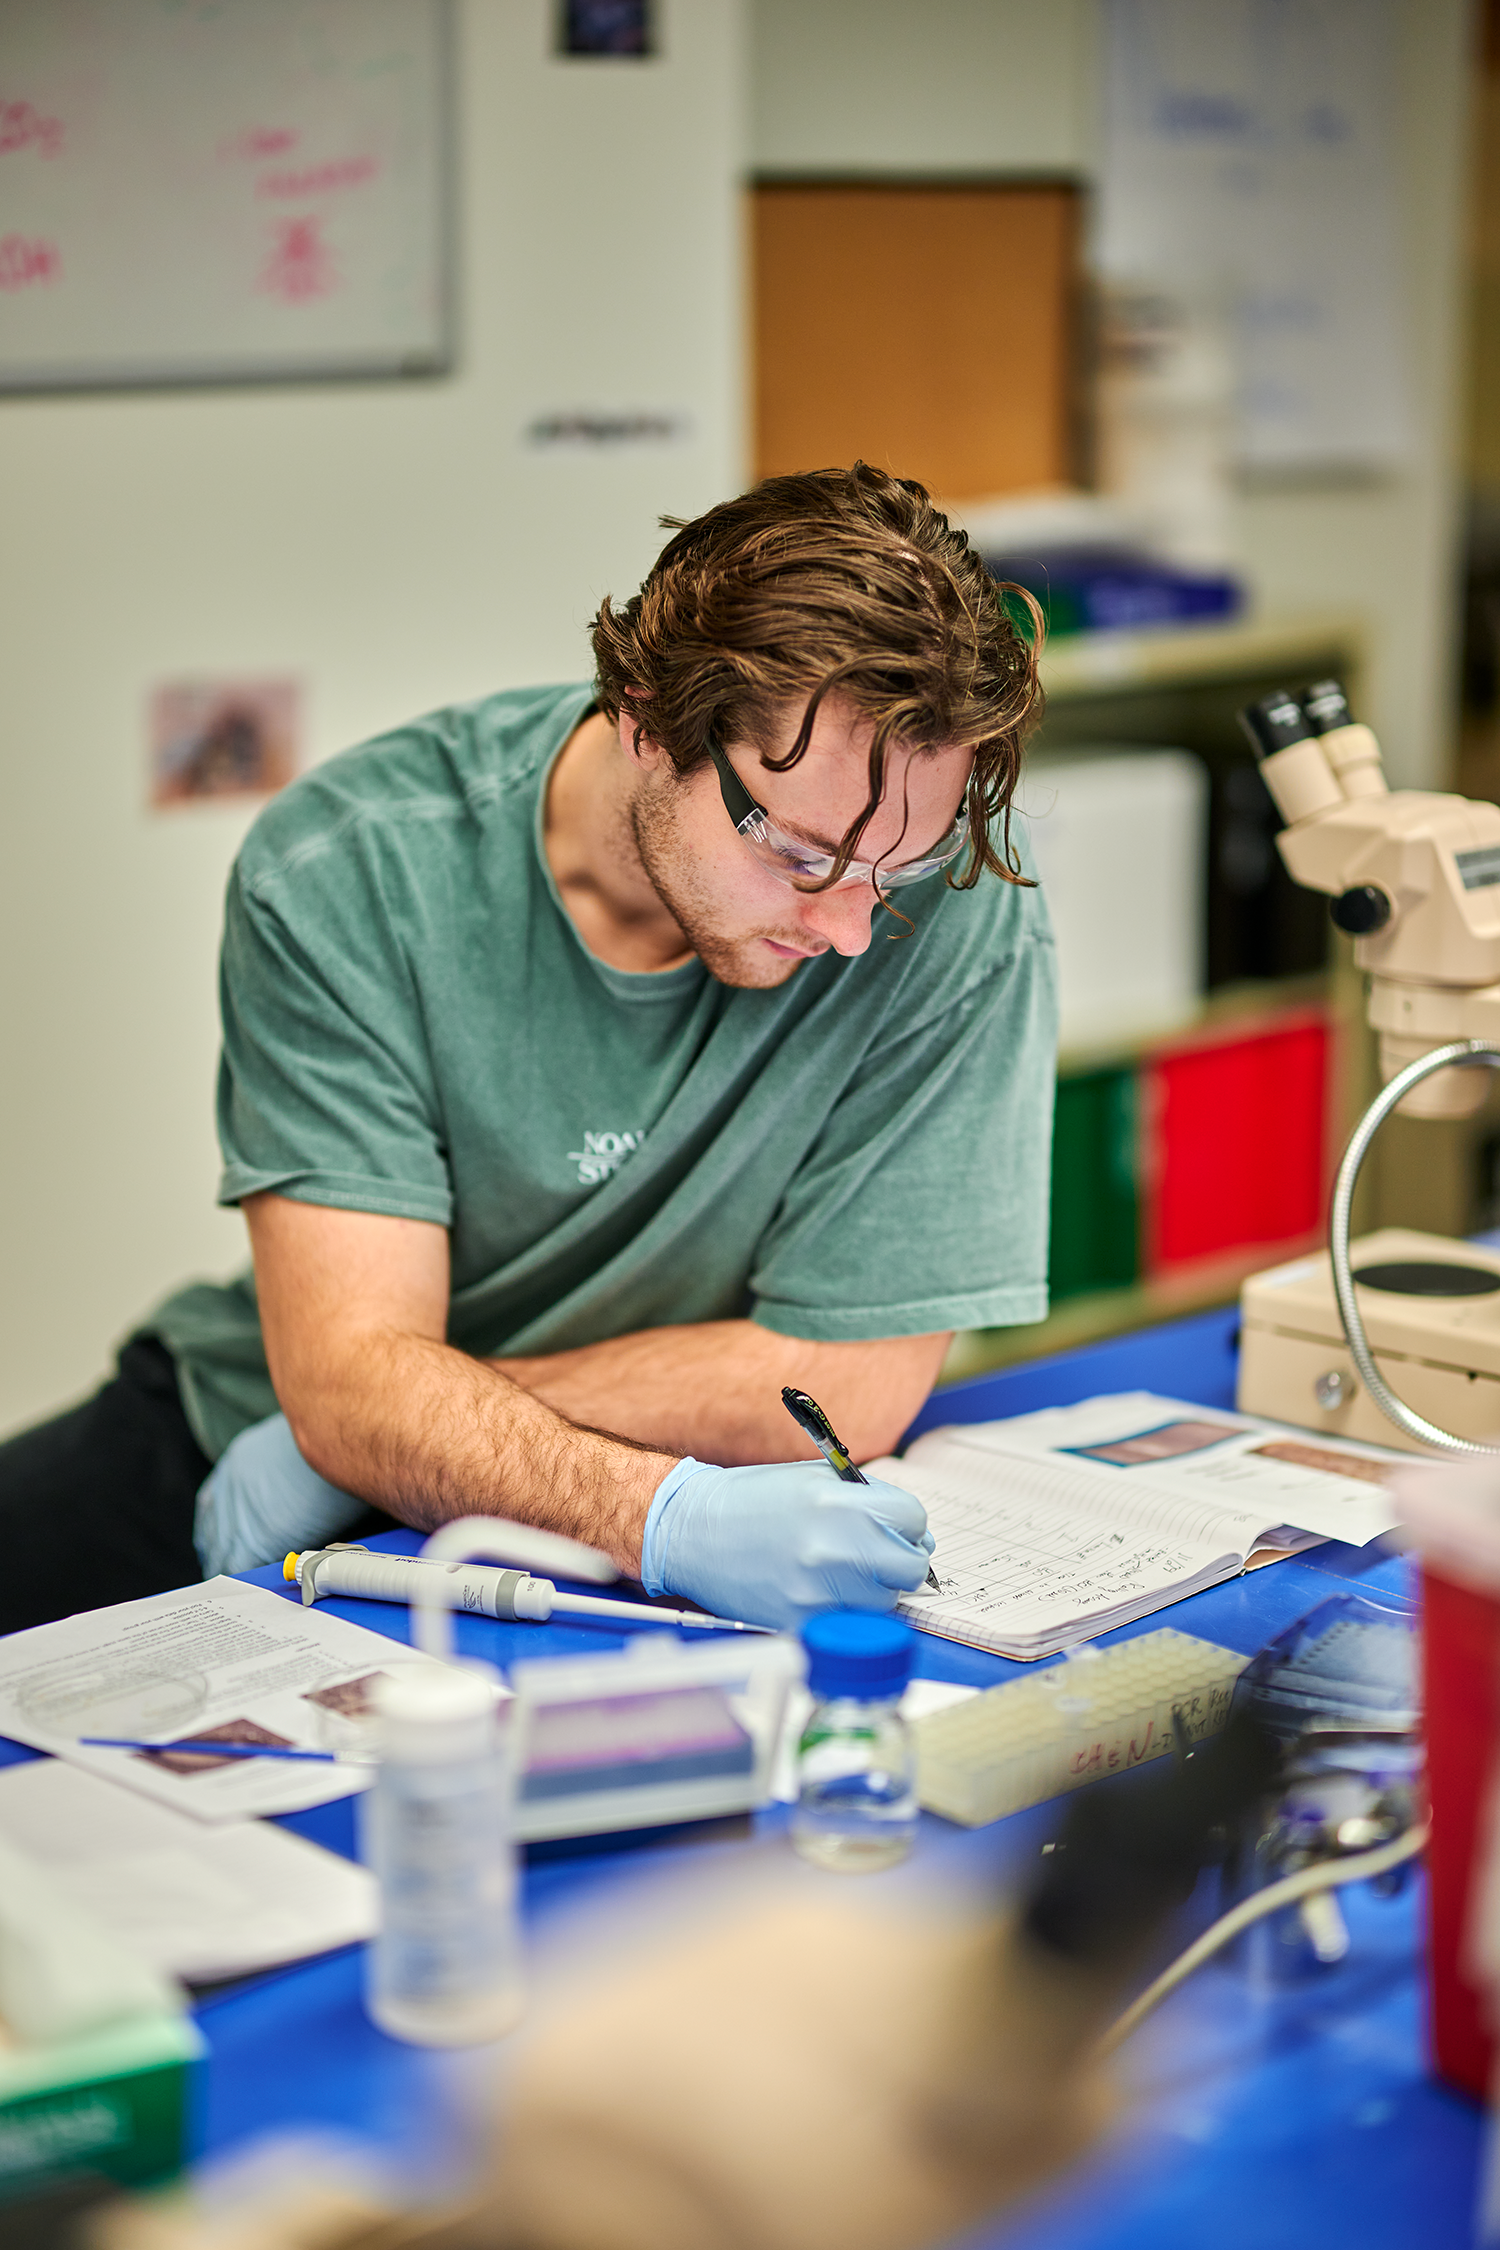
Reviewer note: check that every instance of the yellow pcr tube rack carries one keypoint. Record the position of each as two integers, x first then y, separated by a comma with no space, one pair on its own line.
1101,1711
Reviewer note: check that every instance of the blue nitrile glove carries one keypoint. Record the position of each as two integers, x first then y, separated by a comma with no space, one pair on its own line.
771,1544
262,1499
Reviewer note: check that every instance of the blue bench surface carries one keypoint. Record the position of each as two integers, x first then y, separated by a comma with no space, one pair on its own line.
1302,2114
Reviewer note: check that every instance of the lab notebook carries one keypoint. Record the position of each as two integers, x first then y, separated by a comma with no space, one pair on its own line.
1056,1526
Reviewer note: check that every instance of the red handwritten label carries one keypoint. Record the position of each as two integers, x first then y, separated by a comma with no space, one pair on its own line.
22,126
23,262
260,141
301,265
318,179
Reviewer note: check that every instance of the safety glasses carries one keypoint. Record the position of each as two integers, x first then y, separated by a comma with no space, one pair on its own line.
803,865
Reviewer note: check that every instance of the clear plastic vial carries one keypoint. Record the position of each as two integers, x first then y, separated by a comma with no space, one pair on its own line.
445,1968
857,1799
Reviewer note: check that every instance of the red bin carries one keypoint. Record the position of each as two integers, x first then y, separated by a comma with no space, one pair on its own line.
1461,1664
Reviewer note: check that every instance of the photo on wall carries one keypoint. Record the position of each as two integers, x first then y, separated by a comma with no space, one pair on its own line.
619,28
223,738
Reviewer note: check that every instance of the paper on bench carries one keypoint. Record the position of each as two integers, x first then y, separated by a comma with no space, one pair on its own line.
198,1901
218,1655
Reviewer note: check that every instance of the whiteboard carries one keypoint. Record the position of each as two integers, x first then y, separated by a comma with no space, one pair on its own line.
1249,151
222,190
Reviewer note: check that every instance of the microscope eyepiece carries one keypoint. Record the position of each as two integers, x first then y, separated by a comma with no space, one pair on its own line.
1275,723
1326,707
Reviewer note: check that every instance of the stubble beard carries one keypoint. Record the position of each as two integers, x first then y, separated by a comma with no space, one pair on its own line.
738,960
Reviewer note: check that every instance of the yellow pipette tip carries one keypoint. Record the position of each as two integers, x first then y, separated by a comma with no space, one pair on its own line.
289,1568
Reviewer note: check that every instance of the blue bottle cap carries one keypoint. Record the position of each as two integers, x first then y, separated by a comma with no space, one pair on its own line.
853,1652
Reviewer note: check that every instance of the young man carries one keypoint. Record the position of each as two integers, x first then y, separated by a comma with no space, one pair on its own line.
596,1061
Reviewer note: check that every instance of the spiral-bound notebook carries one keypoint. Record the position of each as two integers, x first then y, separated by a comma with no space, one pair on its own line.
1055,1526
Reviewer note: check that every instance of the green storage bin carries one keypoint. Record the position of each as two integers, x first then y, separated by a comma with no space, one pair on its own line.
1095,1184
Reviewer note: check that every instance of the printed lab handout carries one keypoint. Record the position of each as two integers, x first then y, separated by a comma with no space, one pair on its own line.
1055,1526
201,1900
219,1662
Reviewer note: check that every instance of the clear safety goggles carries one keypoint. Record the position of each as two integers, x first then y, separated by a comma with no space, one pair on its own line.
803,865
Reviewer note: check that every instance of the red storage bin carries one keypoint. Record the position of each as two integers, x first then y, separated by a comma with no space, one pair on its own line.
1461,1663
1237,1142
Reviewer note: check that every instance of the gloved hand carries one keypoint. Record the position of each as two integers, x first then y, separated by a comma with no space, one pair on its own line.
772,1544
263,1499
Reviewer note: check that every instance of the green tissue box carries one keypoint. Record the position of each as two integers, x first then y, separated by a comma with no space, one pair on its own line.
117,2102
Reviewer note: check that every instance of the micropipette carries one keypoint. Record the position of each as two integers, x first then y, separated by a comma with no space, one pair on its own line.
511,1596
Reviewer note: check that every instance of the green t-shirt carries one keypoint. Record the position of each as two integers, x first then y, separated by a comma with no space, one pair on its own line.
413,1025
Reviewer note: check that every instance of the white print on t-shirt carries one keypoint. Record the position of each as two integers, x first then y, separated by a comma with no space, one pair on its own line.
601,1154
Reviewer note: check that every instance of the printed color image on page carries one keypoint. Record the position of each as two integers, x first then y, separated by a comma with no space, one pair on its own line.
1167,1442
1325,1460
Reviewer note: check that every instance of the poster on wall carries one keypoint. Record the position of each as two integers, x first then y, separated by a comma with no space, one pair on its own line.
1247,170
222,194
211,739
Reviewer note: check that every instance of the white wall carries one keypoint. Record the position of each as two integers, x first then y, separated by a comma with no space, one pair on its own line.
397,545
842,86
932,86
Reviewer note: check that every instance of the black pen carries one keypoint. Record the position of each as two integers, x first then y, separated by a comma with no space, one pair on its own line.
809,1416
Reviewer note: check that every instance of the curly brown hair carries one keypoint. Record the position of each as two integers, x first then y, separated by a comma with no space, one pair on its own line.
835,582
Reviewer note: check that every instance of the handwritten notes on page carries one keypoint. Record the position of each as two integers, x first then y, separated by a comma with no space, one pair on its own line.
1052,1527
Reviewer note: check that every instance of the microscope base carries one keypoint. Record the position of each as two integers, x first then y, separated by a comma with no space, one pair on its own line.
1439,1353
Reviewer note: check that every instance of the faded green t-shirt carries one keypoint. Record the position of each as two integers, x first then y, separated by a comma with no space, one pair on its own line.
412,1024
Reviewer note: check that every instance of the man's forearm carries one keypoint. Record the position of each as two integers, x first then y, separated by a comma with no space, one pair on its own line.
353,1308
427,1433
713,1388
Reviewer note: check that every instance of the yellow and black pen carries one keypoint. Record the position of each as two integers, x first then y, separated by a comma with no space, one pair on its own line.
809,1416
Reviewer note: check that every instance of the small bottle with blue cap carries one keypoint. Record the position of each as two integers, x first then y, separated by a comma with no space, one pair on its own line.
857,1800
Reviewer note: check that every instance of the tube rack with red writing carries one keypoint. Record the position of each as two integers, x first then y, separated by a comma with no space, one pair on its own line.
1100,1711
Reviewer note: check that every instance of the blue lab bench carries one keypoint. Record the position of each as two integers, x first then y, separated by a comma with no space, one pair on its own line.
1300,2114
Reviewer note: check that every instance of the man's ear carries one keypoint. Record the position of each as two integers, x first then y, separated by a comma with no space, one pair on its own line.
648,755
